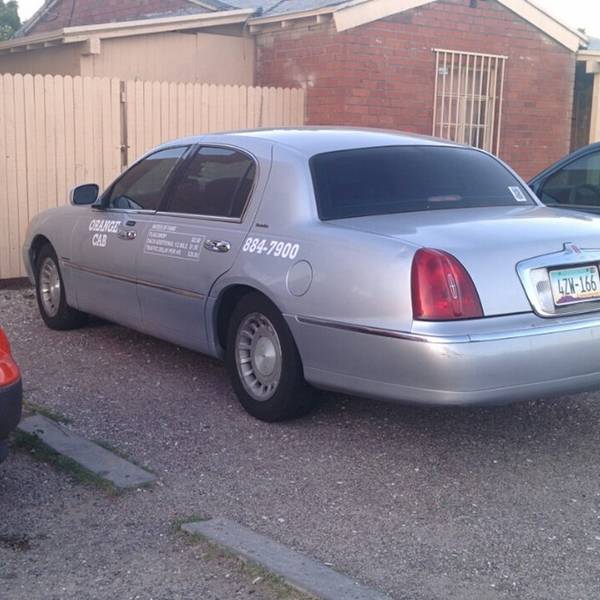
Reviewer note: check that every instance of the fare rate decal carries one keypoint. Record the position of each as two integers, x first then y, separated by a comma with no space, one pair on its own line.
173,241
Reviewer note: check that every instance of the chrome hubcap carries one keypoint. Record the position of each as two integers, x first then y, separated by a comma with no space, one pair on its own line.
258,356
50,287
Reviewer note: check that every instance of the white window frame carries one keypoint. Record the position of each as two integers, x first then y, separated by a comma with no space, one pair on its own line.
469,97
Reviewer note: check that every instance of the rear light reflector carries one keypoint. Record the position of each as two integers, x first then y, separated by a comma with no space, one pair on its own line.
442,290
9,371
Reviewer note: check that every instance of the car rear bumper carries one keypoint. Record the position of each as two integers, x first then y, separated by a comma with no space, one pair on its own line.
10,413
491,361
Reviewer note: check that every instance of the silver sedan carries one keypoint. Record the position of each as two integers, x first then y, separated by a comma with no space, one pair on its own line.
384,265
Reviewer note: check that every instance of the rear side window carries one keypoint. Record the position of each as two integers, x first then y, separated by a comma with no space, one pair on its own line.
142,186
396,179
576,184
216,182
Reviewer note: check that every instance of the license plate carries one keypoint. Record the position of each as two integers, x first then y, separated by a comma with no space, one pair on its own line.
570,286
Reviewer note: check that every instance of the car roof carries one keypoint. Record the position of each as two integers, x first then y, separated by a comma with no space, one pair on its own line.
316,140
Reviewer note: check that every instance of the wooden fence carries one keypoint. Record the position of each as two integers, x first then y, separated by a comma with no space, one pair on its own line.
57,132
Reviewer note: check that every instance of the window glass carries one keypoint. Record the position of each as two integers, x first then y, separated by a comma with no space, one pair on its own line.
576,184
395,179
215,182
141,187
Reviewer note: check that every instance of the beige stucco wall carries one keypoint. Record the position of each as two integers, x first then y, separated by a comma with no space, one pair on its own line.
197,57
58,60
201,57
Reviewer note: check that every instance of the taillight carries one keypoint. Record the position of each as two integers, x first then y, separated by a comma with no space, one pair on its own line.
9,372
442,290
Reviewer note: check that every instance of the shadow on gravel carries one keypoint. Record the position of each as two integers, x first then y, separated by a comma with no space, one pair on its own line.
540,426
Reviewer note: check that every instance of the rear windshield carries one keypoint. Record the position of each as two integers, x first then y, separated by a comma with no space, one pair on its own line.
396,179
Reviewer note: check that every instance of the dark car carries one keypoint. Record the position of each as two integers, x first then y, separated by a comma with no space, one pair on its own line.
11,394
573,182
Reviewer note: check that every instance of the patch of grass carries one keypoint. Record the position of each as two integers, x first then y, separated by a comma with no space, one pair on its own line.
43,453
254,571
32,407
177,523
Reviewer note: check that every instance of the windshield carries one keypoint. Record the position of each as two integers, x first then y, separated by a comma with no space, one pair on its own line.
396,179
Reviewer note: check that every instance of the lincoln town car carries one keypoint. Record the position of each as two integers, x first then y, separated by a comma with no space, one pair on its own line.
373,263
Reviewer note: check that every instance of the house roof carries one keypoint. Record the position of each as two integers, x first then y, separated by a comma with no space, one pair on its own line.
591,56
346,14
353,13
50,13
93,34
282,7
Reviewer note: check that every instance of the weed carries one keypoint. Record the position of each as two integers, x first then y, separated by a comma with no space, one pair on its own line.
254,571
32,407
43,453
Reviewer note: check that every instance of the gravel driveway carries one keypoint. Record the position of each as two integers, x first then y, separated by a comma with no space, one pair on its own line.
424,504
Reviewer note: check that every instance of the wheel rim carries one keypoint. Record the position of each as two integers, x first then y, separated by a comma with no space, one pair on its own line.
258,356
50,287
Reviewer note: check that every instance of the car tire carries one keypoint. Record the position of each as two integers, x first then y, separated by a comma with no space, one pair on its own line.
264,364
50,293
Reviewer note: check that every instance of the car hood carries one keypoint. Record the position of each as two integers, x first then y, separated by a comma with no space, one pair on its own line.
489,242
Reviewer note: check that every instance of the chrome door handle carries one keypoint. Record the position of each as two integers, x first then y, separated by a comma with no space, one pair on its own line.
126,235
217,245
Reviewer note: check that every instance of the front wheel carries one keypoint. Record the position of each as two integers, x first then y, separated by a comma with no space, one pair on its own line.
264,364
50,292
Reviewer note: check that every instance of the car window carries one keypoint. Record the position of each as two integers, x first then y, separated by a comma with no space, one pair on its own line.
142,186
395,179
215,182
576,184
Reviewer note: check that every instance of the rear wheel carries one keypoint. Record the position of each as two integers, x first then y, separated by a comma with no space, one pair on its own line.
264,364
50,292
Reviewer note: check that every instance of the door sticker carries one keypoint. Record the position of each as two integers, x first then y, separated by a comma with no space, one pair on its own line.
173,241
100,228
276,248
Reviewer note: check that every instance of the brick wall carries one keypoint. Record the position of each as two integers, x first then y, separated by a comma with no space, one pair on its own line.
382,74
71,13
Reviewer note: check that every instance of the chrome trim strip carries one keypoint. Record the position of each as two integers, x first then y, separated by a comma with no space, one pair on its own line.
125,278
128,211
455,339
390,333
569,256
199,217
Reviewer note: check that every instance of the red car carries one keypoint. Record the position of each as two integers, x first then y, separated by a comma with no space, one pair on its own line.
11,394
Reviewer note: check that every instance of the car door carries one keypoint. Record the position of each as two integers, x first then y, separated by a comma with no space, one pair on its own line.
194,239
575,184
108,237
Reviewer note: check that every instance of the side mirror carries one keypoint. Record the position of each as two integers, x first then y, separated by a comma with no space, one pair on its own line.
84,195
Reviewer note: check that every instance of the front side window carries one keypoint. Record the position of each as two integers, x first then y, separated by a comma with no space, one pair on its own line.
215,182
397,179
142,186
576,184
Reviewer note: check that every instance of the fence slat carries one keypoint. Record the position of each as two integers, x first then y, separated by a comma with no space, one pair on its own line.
69,112
60,141
79,130
5,270
57,132
11,173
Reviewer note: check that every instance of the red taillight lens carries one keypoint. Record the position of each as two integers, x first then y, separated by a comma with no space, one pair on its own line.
442,290
9,372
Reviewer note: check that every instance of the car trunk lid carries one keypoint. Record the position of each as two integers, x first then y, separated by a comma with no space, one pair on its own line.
492,243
